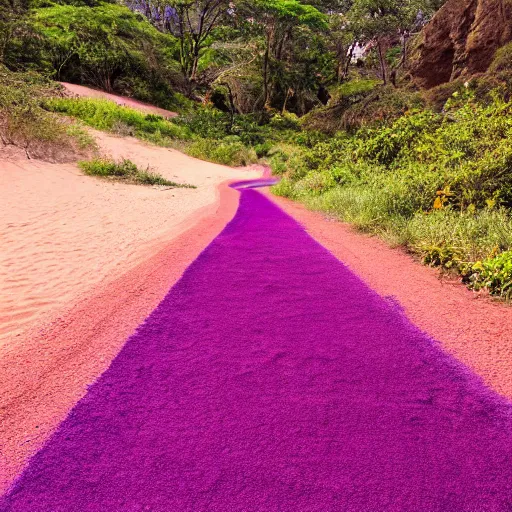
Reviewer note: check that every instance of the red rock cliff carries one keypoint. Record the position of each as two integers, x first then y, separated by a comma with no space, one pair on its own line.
461,40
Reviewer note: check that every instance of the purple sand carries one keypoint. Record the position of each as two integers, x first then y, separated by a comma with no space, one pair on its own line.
271,378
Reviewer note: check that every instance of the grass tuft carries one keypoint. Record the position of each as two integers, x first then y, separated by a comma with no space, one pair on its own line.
126,170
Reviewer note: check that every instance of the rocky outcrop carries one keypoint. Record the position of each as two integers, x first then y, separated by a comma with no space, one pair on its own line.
461,40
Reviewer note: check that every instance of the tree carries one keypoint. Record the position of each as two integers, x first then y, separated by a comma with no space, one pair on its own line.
276,20
192,22
379,21
11,20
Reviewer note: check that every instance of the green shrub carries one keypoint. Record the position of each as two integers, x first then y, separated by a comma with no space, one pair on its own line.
284,188
315,183
366,107
357,87
101,44
223,152
439,184
502,60
23,123
126,170
263,149
493,274
384,145
437,97
383,105
467,237
210,123
286,121
206,122
285,157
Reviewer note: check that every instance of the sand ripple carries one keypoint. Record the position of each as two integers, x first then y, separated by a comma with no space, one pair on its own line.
62,232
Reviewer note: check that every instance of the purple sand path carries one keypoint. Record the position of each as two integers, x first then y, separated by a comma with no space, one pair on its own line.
272,379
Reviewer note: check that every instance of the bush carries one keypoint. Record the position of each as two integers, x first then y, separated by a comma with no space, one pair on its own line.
223,152
24,124
502,60
206,122
354,89
126,170
286,157
437,97
368,106
439,184
103,44
286,121
493,274
263,149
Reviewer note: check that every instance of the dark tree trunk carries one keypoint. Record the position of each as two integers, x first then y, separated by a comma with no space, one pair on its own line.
382,61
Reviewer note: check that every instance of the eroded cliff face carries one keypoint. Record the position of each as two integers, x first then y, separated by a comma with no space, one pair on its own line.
461,40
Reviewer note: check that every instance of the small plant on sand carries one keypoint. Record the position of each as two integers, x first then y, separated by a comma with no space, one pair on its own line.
126,170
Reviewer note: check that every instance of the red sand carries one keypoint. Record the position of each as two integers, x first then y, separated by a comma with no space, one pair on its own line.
81,90
472,328
49,372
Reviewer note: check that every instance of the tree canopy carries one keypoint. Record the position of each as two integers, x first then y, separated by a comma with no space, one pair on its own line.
245,55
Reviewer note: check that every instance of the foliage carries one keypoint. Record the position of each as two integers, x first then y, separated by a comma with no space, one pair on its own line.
203,135
126,170
192,23
208,122
381,21
230,151
437,183
25,124
104,45
493,274
287,46
502,60
107,115
362,103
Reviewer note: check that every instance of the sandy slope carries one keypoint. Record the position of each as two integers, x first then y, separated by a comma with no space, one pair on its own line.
63,232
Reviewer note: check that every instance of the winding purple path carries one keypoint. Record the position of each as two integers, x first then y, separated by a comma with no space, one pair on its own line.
272,379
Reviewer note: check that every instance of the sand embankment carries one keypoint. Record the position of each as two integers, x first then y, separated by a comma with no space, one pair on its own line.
63,232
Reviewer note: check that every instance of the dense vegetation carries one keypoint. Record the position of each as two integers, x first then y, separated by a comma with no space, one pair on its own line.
438,183
245,56
281,82
101,44
25,124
